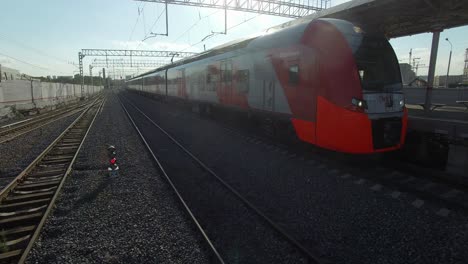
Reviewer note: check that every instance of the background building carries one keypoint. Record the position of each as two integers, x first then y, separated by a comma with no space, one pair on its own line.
453,81
10,74
465,70
407,75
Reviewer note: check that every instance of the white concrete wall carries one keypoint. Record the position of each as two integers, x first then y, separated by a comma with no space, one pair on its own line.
22,96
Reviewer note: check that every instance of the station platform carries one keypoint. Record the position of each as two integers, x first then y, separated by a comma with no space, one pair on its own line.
451,121
438,138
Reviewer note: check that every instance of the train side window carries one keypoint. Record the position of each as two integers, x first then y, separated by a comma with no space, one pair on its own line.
201,82
223,71
228,71
243,81
213,77
210,82
294,74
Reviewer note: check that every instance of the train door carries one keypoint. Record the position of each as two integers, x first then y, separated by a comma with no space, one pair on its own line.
182,89
269,95
302,82
226,93
293,81
264,79
192,82
165,83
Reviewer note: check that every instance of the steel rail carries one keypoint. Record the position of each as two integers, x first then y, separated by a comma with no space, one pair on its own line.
438,178
12,126
15,124
40,185
23,128
57,111
174,188
276,227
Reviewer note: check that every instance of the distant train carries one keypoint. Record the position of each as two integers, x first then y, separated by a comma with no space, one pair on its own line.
333,84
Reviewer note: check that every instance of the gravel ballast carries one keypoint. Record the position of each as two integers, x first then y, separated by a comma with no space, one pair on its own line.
134,218
339,215
237,232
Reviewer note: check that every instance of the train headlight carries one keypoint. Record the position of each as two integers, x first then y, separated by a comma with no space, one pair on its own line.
402,103
358,30
359,103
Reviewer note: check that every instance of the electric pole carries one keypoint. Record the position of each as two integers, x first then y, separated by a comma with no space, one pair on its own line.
448,67
91,76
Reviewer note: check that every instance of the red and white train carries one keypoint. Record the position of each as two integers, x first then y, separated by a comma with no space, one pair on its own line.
339,87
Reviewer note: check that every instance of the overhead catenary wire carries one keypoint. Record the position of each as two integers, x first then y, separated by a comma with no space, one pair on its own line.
35,50
36,66
144,21
196,23
136,23
245,21
157,19
151,29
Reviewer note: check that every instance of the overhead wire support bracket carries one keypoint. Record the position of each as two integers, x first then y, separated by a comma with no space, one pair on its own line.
129,63
213,33
134,53
122,53
283,8
225,23
153,35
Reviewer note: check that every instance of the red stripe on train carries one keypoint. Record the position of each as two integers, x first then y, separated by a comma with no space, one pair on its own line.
341,129
305,130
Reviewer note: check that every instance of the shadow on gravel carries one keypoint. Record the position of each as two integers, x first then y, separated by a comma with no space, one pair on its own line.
84,167
86,198
89,197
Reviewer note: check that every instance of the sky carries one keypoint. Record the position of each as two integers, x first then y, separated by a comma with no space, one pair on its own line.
43,38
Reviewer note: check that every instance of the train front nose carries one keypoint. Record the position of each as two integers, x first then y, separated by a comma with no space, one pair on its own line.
388,120
386,132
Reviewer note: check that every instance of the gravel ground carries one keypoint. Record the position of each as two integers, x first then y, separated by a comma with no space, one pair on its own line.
338,216
17,154
238,233
134,218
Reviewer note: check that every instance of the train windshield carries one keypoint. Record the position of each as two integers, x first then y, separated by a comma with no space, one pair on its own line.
378,66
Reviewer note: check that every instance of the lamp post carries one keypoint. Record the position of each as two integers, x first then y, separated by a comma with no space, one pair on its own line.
448,67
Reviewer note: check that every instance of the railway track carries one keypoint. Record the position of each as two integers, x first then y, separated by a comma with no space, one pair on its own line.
15,130
311,257
28,200
446,192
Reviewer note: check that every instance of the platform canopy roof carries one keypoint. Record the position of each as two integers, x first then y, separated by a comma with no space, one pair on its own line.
398,18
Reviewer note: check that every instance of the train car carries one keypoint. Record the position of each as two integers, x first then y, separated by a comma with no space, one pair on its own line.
337,86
